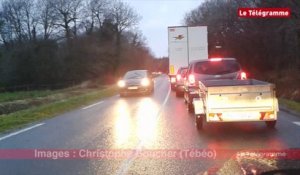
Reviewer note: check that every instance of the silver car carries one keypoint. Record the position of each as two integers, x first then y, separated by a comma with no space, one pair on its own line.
209,69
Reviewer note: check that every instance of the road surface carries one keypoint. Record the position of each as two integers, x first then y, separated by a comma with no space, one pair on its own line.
160,121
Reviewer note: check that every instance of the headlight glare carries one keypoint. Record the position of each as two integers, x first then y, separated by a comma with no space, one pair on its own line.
121,83
145,82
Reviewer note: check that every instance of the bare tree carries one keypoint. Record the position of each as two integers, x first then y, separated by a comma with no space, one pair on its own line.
6,32
135,38
20,16
67,12
12,13
30,18
47,18
123,17
95,13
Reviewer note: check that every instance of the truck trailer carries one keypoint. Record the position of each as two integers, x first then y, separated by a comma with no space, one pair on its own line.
186,44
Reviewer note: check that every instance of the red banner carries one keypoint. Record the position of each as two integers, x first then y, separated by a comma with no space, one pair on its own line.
119,154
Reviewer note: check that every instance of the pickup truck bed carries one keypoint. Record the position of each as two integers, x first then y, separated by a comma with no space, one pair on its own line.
225,82
236,101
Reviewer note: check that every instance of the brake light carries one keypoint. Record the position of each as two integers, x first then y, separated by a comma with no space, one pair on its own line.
192,79
178,77
243,76
215,59
173,79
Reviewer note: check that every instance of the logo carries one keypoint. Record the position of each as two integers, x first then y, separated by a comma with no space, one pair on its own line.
179,37
264,12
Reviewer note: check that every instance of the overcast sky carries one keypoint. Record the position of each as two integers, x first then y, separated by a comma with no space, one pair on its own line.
157,15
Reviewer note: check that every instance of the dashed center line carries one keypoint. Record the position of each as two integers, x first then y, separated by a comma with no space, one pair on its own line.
87,107
21,131
297,123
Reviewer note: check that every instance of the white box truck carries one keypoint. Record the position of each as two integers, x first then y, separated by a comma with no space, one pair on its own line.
186,44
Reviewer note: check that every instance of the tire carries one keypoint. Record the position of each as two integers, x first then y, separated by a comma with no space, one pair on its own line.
173,87
184,97
199,119
271,124
190,107
185,102
178,93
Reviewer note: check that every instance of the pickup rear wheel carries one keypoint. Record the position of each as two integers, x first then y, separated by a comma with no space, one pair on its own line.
173,87
190,107
178,93
271,124
199,121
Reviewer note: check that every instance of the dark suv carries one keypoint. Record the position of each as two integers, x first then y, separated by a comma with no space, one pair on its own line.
136,82
210,69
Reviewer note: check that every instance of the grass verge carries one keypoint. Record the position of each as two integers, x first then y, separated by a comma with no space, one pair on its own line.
21,95
23,117
293,105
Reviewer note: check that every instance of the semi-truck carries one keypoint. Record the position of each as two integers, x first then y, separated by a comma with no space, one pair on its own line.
186,44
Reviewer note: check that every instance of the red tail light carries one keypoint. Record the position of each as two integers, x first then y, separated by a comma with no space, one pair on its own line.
192,79
243,76
178,77
215,59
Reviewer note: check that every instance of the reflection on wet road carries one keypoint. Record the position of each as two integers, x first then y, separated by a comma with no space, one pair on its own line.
140,122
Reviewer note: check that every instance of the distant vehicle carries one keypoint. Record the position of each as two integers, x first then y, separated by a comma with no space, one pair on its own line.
185,45
210,69
180,77
228,100
136,82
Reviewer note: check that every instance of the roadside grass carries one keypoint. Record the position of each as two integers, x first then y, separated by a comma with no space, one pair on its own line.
293,105
21,95
20,118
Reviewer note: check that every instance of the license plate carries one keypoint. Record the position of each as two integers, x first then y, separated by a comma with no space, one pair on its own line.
133,87
241,116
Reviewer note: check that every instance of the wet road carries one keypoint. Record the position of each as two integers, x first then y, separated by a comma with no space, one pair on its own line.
160,121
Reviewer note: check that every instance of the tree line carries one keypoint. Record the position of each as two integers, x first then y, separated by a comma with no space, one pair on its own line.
261,45
62,41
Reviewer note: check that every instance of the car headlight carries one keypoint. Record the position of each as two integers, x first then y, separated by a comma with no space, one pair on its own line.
145,82
121,83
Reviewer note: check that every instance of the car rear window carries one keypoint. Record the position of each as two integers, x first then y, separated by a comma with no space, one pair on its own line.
135,74
217,67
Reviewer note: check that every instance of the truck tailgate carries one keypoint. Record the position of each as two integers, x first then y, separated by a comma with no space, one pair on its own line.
240,98
237,100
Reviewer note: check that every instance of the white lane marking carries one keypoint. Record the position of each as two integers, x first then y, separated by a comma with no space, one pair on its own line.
126,163
87,107
297,123
21,131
